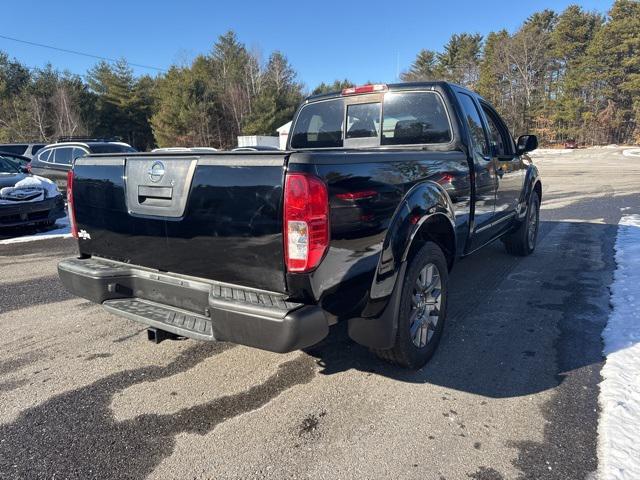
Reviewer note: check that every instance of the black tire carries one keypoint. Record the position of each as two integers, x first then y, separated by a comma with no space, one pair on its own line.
406,351
522,242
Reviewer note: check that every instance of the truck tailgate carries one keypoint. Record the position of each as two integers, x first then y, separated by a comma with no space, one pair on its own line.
214,216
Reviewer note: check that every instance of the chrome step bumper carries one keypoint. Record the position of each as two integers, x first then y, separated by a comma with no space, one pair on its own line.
194,307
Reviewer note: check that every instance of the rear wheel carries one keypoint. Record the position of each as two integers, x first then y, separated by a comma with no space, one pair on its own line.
422,310
522,242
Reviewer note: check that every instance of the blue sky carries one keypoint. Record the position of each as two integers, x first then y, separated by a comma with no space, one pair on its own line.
359,39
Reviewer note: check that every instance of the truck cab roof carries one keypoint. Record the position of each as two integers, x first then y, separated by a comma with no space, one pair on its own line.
435,84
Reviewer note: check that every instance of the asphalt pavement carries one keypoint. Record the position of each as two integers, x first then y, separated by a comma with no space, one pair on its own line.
511,392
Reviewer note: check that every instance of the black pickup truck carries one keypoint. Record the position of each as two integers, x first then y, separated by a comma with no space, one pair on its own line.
381,190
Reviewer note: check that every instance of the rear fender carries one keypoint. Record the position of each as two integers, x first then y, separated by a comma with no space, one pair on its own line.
377,326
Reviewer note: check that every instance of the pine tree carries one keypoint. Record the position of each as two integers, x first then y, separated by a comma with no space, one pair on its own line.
460,59
613,73
278,99
571,38
424,68
494,70
336,86
180,99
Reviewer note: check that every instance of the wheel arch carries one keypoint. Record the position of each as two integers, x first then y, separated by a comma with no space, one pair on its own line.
437,228
425,214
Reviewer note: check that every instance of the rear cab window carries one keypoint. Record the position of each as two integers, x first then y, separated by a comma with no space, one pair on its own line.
414,118
395,118
363,120
319,125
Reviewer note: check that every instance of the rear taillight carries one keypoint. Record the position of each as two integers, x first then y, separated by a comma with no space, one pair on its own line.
306,221
70,209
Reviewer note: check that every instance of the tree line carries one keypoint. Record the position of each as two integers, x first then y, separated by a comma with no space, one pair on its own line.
227,92
574,74
570,75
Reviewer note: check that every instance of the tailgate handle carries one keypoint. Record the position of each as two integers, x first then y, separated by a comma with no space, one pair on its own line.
154,196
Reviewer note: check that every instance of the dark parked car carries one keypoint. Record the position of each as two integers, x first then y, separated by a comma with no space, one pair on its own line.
55,160
24,149
571,143
381,191
26,203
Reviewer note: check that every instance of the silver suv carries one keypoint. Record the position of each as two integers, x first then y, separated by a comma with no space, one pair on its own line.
55,160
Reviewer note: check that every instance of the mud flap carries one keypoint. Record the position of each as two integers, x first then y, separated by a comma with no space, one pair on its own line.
380,332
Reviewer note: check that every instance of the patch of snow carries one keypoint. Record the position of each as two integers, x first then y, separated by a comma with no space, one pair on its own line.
619,426
63,230
631,152
550,151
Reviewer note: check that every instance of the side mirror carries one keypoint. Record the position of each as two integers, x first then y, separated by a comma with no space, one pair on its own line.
526,143
24,169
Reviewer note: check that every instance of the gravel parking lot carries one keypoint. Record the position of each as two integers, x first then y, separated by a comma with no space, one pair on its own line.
511,392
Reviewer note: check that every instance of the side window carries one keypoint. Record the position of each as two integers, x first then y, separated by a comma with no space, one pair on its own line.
77,153
62,155
499,137
474,123
36,148
44,156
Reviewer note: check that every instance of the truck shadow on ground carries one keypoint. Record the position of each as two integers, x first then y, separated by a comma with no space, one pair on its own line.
510,331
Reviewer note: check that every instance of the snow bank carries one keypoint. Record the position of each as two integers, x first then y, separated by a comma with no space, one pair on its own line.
619,428
63,230
550,151
32,189
631,152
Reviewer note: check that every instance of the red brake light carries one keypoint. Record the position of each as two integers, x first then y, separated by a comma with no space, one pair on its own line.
306,221
380,87
446,178
70,209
